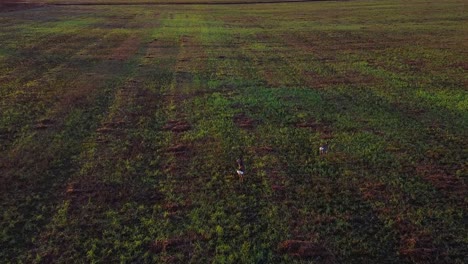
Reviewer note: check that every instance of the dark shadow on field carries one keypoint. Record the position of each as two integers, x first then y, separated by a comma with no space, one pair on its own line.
35,172
16,5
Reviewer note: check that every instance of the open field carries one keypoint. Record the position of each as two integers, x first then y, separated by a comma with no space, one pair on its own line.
120,127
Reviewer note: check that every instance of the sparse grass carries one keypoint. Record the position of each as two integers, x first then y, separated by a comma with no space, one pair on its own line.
120,127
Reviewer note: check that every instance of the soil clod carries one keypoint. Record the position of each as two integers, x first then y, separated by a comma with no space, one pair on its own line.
245,122
43,124
177,126
179,148
303,249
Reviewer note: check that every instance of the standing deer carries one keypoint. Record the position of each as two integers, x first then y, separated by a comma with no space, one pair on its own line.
323,149
240,168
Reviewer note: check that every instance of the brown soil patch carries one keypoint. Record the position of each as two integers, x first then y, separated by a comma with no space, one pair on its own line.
462,65
418,247
115,124
174,207
274,78
440,178
304,249
415,244
46,121
326,135
375,131
177,126
447,182
126,49
168,244
374,191
415,64
178,149
71,189
104,130
420,255
309,124
43,124
176,244
277,182
278,188
323,129
263,150
243,121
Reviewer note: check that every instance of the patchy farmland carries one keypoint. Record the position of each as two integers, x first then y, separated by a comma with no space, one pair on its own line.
120,127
